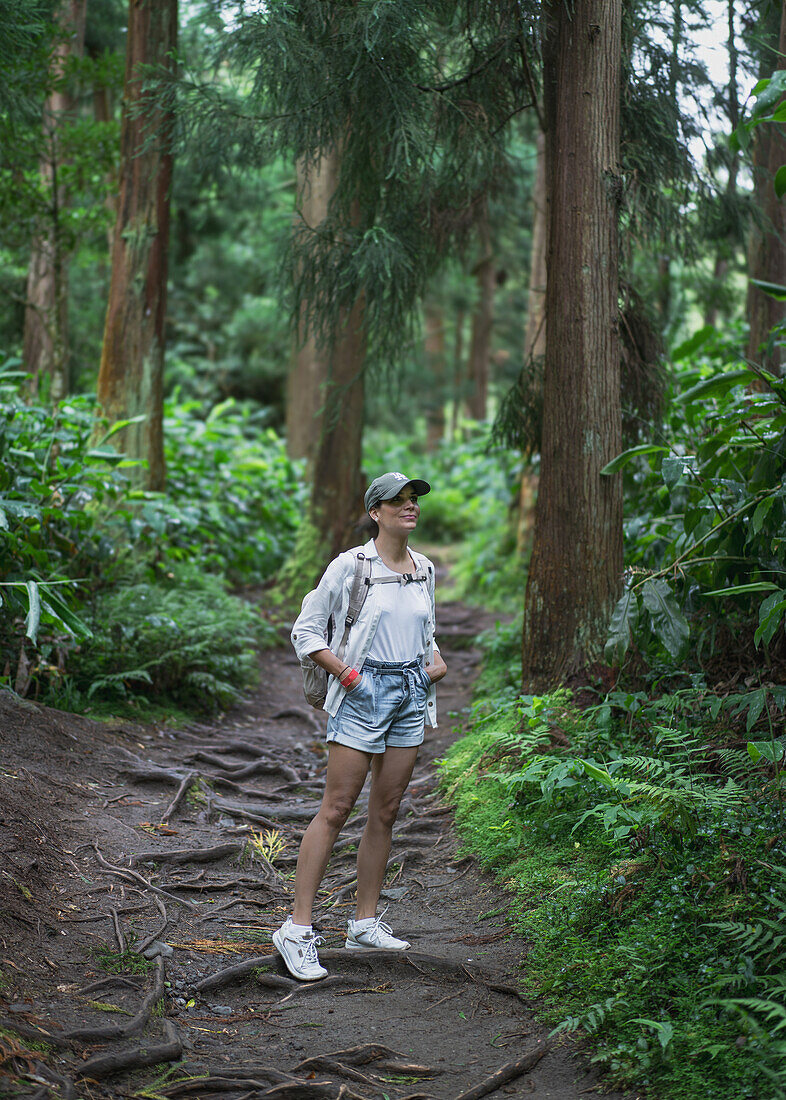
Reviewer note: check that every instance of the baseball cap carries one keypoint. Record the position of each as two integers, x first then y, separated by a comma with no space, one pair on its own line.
387,486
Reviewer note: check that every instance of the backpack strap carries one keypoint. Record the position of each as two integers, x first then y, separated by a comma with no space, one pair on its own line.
401,578
357,598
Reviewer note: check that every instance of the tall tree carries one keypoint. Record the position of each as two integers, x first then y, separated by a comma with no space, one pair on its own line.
482,318
767,248
575,571
130,380
46,311
434,323
308,372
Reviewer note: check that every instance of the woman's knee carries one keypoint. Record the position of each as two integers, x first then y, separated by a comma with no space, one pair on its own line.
335,810
385,811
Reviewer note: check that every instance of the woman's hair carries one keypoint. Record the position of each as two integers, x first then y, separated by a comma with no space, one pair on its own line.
366,528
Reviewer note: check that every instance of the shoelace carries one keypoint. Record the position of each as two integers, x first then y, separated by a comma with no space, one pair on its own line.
374,929
311,951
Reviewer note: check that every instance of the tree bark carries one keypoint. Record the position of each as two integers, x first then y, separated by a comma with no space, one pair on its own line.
130,380
767,252
435,379
482,322
458,375
310,362
535,333
46,311
576,566
336,491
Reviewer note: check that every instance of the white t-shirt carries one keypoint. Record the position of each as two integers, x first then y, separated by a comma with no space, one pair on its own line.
401,633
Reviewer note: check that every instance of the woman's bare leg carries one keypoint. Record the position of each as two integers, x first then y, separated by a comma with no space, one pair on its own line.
391,772
346,773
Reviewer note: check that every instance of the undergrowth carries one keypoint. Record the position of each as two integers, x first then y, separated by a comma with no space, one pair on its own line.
642,842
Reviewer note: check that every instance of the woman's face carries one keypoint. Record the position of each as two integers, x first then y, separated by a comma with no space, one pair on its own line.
400,514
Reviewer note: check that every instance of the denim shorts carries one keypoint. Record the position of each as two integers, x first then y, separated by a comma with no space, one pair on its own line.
387,709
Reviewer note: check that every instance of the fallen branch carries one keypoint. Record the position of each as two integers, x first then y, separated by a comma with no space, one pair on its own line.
507,1073
103,1065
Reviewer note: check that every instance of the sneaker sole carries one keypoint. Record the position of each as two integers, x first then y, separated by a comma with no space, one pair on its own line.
350,945
294,973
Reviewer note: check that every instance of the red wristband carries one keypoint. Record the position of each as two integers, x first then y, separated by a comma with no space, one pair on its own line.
349,677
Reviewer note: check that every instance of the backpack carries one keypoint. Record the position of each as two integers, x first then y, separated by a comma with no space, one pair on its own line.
315,678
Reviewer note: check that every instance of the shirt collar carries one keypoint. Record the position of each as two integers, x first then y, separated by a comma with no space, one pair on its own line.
370,550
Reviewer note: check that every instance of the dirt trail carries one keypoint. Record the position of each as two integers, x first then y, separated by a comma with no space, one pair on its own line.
143,838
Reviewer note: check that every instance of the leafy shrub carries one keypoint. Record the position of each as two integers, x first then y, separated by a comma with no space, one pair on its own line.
82,551
706,510
180,639
643,843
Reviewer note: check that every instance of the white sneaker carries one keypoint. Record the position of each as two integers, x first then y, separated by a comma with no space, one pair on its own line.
362,936
299,952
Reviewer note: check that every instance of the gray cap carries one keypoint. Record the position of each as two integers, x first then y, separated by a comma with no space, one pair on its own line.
390,485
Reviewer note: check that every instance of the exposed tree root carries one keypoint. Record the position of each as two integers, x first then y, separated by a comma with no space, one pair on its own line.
158,932
134,1025
234,973
507,1073
103,1065
367,1053
186,782
133,876
38,1034
189,855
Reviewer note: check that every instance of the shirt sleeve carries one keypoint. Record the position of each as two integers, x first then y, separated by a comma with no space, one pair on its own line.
310,627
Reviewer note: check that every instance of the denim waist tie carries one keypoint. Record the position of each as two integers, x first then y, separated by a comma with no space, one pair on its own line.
408,670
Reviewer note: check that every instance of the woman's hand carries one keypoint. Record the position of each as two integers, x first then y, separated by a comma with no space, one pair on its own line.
437,669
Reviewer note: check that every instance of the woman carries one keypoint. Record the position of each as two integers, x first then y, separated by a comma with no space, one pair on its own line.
379,696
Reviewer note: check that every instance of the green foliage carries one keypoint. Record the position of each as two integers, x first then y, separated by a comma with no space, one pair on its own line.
644,844
180,639
706,509
113,592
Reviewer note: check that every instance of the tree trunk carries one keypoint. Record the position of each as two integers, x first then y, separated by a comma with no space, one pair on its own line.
535,333
725,249
46,311
435,379
482,323
310,362
458,375
336,491
130,380
767,253
576,566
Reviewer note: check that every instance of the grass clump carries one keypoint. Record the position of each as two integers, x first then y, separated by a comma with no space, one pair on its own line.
645,850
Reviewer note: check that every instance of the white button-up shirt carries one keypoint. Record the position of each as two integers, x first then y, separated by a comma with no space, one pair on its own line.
331,597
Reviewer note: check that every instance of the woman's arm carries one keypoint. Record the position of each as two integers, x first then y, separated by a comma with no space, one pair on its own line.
437,669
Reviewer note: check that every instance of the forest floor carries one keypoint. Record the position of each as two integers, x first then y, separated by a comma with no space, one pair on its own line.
119,839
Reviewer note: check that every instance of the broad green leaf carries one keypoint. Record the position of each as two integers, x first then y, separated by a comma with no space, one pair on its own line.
623,621
718,384
744,589
33,617
774,290
3,520
668,622
757,700
771,751
602,776
693,343
672,470
760,514
632,452
118,427
771,612
780,181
